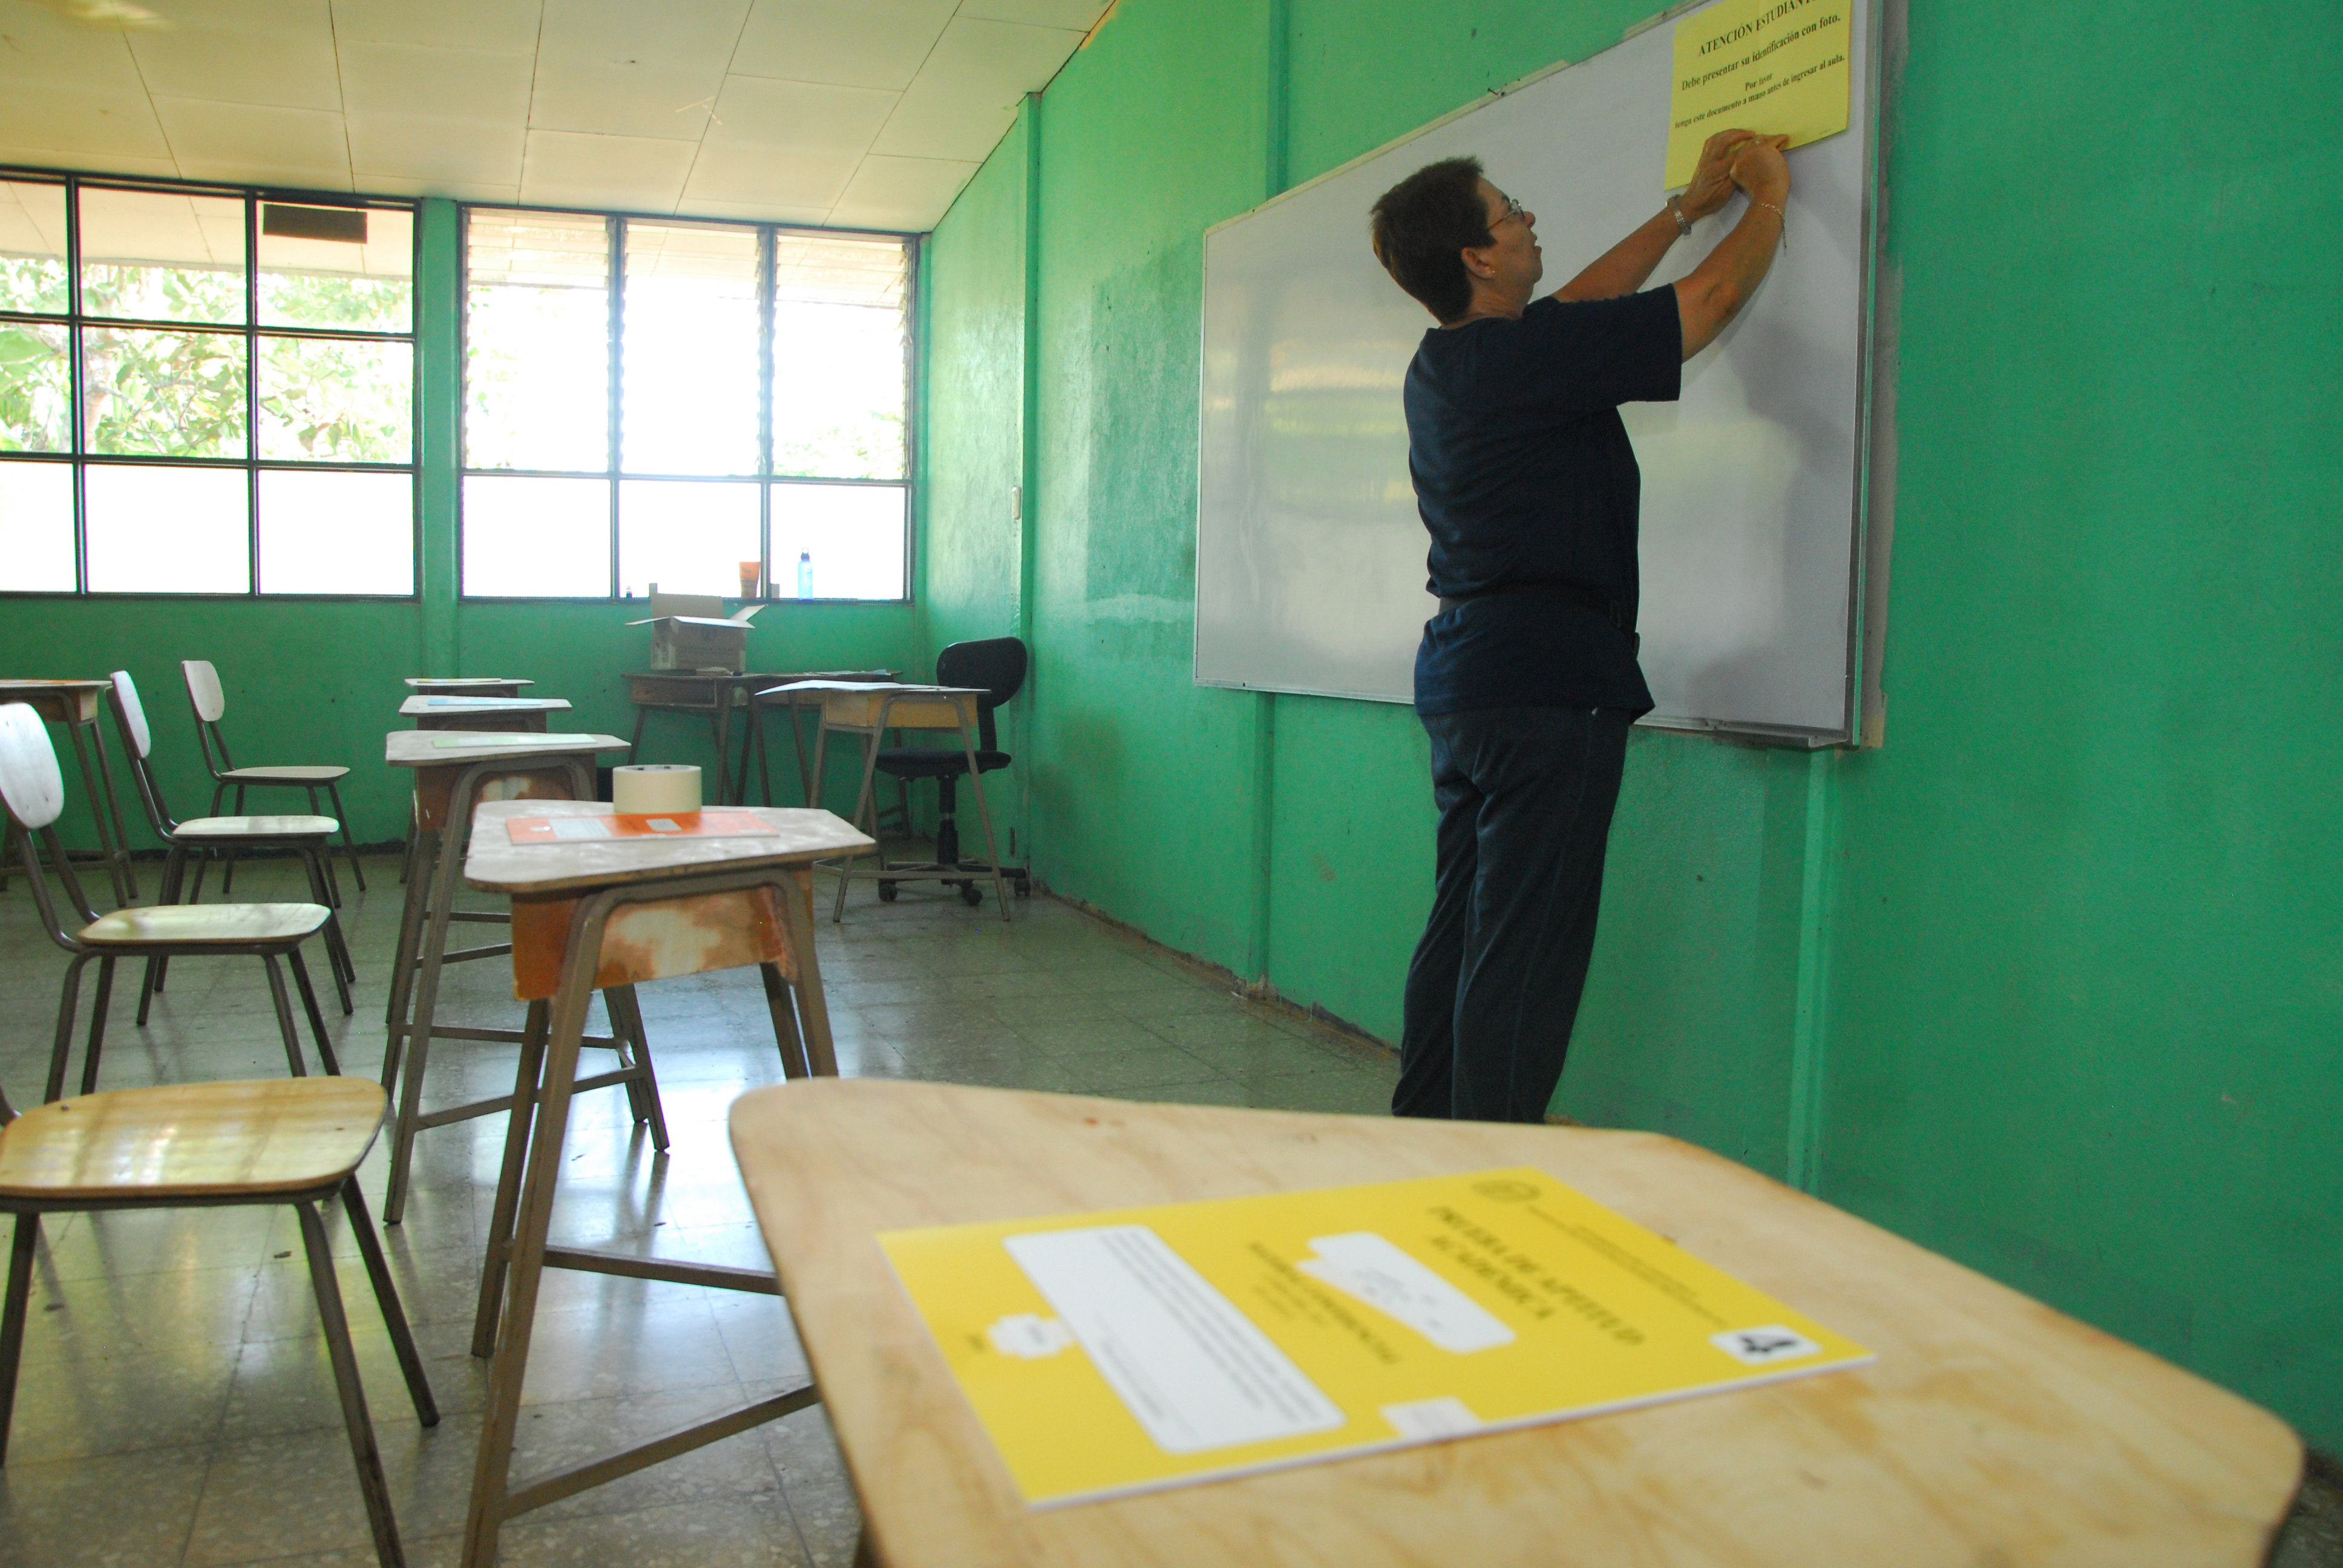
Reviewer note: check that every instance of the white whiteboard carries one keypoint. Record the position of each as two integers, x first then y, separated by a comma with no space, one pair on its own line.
1310,556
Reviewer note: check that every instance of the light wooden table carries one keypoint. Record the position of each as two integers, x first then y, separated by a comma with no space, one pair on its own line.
718,694
465,686
868,709
616,913
453,771
74,704
1991,1430
516,715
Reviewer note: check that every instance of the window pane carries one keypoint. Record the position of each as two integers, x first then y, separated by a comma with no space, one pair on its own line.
32,248
838,356
336,267
686,537
167,531
161,257
537,342
848,538
537,538
337,533
336,400
35,389
164,394
691,382
36,543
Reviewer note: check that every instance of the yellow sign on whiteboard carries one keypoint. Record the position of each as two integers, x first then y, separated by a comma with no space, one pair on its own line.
1778,67
1128,1351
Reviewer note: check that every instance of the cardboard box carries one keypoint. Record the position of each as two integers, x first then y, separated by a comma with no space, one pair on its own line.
691,631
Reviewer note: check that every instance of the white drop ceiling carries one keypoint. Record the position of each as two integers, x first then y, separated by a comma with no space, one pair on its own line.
853,114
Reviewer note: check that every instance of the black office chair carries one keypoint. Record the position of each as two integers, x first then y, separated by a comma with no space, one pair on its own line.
995,666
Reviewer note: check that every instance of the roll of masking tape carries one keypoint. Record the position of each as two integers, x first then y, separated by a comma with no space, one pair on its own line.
655,789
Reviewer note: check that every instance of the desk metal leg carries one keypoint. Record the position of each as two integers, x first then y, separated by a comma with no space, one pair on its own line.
439,858
113,810
122,893
865,810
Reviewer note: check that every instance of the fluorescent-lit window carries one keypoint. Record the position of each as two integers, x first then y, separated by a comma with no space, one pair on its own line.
158,528
143,342
335,532
848,539
534,538
689,536
36,527
708,375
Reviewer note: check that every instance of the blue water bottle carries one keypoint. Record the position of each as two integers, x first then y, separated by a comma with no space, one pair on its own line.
805,573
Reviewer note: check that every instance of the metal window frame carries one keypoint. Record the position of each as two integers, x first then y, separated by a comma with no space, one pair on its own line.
77,322
614,474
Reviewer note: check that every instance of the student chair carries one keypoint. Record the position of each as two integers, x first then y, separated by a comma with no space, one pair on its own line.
210,703
33,792
306,837
214,1145
995,666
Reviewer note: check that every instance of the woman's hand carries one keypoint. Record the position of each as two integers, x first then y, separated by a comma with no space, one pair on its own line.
1758,167
1712,181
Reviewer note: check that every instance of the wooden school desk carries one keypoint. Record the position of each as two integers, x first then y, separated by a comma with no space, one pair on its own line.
1991,1429
716,693
75,704
614,913
465,686
503,714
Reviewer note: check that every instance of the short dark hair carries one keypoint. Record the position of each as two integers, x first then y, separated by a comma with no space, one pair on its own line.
1420,224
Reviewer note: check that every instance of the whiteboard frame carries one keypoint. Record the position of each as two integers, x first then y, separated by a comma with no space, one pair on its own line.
1870,530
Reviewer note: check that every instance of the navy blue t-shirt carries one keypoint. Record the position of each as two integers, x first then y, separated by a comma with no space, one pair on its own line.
1524,474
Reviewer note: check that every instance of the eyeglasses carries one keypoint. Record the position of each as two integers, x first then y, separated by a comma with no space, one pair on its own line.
1512,210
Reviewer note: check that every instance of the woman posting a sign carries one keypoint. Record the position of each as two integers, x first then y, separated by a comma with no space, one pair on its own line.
1526,680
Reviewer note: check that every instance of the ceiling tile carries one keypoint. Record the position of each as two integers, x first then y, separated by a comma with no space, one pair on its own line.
77,121
444,84
755,111
795,177
1081,15
631,173
490,196
663,103
410,146
699,36
848,43
495,24
901,193
965,96
256,142
753,212
278,52
43,49
90,163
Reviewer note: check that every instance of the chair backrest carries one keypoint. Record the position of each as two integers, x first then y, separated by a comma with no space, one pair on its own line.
994,665
204,689
29,780
138,744
133,716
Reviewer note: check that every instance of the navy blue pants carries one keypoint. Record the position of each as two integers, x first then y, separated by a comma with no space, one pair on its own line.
1526,797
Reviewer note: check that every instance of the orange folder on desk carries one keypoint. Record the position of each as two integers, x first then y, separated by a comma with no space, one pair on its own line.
675,824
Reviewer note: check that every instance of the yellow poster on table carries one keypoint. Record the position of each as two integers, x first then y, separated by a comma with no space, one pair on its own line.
1778,67
1127,1351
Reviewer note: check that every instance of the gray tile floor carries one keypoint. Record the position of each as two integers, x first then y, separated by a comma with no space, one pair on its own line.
176,1406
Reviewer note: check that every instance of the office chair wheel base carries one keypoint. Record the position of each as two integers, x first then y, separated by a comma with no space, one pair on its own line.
886,891
970,894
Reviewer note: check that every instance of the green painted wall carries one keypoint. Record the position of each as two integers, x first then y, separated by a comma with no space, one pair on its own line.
2047,982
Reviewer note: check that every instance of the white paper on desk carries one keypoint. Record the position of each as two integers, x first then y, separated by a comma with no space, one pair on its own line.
1191,1368
1370,1269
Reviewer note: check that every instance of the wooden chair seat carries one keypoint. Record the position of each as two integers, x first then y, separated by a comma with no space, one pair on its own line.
205,925
257,827
259,1138
295,775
